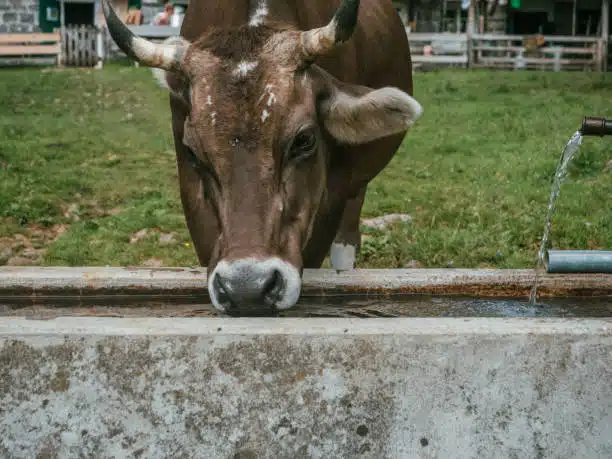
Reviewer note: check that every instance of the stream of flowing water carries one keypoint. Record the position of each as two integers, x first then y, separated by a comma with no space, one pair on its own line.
560,175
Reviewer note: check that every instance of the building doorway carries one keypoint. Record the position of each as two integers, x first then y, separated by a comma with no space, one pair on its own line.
528,23
79,13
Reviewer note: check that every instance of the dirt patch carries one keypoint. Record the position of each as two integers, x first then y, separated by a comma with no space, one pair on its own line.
138,235
86,210
54,69
164,238
414,264
28,247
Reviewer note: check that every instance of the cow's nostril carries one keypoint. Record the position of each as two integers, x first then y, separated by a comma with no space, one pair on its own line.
221,290
273,287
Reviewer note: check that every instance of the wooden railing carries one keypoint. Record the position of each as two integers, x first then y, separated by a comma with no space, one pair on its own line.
507,51
558,53
439,48
88,45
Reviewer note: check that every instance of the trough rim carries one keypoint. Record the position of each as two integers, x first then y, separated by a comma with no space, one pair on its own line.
16,281
345,327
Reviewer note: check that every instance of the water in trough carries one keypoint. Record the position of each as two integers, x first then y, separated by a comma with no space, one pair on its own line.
351,306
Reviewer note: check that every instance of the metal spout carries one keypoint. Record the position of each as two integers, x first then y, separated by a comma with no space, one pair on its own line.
579,261
596,126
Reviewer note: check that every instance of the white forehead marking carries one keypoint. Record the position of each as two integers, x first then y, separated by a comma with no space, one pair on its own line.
271,96
259,14
264,116
243,68
209,100
271,99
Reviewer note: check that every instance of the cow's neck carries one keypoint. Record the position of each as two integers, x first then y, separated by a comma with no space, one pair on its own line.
204,15
272,10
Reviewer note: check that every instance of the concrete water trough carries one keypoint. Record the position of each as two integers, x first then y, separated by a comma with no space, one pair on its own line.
131,362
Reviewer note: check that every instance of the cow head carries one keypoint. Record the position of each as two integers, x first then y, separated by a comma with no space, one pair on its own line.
261,122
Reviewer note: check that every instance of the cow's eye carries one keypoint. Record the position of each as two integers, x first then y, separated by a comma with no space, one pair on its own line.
303,144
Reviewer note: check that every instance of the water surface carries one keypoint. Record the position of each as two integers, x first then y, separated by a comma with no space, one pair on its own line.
330,306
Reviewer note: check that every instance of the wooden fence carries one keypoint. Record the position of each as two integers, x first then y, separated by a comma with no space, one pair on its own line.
89,46
556,53
81,46
440,49
511,52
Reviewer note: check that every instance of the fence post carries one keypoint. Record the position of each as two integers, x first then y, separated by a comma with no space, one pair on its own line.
60,56
67,46
470,32
99,48
80,42
605,33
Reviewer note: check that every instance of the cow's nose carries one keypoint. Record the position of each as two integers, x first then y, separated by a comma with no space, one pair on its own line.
236,290
249,285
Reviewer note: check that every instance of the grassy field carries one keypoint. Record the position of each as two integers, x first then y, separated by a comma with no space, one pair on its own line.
87,173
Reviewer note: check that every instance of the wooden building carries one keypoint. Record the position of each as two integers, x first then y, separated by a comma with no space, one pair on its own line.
47,15
516,34
512,17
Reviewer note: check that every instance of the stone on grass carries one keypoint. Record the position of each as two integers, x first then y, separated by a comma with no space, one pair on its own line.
137,236
386,220
166,238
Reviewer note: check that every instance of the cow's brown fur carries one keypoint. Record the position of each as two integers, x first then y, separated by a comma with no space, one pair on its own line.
240,201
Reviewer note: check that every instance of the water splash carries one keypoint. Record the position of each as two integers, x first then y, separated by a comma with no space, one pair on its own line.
560,175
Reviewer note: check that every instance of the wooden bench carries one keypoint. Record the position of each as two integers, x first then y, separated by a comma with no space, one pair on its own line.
31,45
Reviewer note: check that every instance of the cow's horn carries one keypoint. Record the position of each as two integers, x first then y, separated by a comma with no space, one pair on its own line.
324,39
163,56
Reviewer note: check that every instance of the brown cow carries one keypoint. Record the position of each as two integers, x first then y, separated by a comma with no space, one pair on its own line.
280,120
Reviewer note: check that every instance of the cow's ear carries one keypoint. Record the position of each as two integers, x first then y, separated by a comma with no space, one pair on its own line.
356,114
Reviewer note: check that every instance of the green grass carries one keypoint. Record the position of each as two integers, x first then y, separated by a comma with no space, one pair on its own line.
91,152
